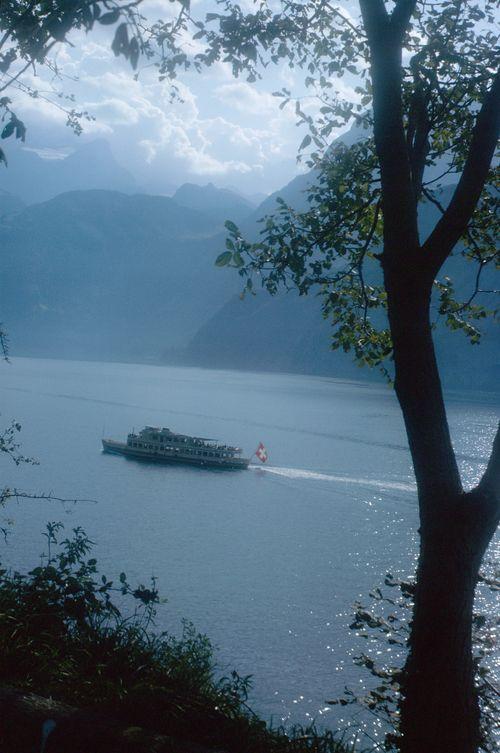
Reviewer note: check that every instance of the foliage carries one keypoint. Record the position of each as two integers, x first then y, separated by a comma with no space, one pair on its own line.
30,34
333,247
10,445
69,611
385,626
69,633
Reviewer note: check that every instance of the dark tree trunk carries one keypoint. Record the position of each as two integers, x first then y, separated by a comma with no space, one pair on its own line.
440,710
439,713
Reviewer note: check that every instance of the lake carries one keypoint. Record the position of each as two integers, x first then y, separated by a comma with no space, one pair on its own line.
267,561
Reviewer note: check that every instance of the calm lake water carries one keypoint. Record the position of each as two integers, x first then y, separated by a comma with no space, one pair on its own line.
267,561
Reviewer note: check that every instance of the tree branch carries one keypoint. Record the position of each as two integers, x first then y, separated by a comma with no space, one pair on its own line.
454,221
398,197
400,16
374,15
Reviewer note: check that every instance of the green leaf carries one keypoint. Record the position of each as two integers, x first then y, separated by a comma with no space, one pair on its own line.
110,18
9,129
231,227
120,41
20,130
134,50
223,259
305,142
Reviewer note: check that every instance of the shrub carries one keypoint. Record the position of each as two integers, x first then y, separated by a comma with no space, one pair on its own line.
63,635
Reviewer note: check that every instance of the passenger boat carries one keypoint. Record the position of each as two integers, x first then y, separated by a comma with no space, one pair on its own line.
165,446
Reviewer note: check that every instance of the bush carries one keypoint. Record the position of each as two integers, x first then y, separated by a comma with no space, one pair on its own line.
63,635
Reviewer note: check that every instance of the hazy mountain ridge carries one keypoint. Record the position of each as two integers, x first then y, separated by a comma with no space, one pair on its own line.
10,203
98,274
36,179
220,203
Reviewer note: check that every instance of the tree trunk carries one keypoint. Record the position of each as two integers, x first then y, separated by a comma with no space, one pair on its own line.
440,712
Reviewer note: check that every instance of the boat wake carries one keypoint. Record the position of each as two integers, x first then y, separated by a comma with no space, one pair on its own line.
297,473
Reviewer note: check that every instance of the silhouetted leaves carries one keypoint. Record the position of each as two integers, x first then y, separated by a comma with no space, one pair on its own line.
31,31
109,18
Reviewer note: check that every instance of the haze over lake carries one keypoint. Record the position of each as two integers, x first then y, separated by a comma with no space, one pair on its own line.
267,561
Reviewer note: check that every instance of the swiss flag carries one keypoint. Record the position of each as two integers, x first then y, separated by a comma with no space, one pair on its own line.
261,452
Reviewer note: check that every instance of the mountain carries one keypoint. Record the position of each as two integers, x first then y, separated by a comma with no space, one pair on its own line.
104,275
254,198
294,193
220,203
264,333
288,333
10,203
99,274
37,179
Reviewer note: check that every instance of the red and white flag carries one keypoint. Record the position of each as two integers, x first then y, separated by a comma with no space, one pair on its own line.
261,452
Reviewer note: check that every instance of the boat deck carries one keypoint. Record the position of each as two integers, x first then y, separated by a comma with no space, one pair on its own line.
163,455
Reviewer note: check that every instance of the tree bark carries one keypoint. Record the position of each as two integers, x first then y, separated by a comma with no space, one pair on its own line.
418,385
440,710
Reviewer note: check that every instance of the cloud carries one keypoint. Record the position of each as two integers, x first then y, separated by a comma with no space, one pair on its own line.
223,127
243,97
114,112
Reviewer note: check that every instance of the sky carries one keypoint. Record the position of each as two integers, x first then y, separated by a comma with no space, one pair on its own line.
227,131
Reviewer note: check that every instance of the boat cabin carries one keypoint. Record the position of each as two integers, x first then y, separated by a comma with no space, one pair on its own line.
163,440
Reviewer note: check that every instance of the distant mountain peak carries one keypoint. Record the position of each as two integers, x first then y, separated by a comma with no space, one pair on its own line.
93,149
35,179
221,203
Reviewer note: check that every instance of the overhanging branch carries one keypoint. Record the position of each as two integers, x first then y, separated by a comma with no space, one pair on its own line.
454,221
